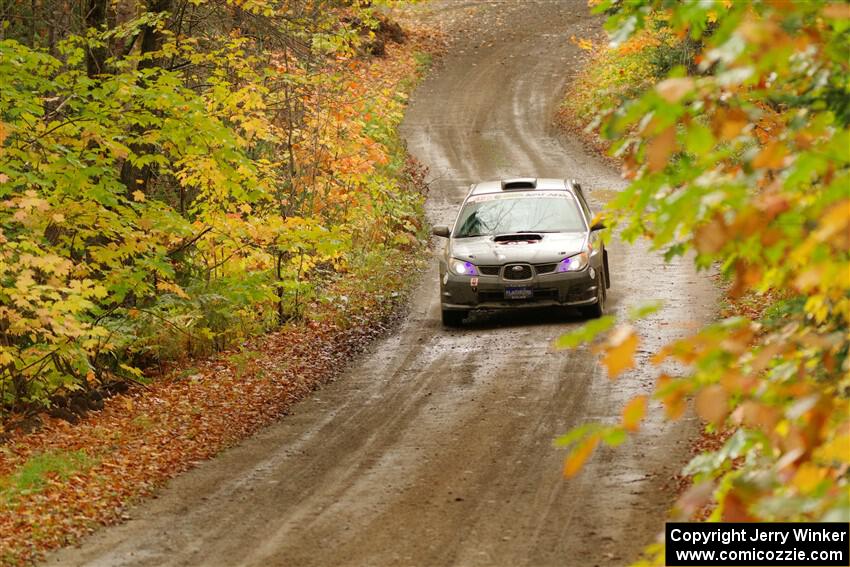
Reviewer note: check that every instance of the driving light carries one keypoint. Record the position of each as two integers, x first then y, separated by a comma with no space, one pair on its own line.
463,268
573,263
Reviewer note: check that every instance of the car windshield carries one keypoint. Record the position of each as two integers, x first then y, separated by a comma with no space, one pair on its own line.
486,215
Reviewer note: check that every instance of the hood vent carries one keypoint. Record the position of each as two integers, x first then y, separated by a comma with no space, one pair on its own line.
514,238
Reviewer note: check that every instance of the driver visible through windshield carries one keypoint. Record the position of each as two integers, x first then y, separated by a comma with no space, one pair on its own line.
487,215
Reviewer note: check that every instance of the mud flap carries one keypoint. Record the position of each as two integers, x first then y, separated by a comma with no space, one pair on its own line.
607,273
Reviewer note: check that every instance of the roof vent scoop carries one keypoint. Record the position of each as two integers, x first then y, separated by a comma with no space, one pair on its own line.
519,183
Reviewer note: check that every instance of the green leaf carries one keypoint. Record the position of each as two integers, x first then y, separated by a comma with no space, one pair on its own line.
586,332
644,310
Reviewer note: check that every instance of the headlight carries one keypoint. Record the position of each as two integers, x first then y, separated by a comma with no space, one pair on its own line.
573,263
462,268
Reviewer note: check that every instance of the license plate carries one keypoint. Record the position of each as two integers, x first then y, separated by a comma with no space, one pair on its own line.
519,293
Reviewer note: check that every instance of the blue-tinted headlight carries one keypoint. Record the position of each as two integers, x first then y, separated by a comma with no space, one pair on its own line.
573,263
463,268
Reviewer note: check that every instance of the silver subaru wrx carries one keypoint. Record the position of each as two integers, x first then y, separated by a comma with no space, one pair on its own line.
525,242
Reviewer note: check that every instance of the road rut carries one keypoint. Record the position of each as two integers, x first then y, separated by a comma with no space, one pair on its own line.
436,447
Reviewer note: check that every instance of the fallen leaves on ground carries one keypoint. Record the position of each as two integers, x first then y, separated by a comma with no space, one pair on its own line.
143,438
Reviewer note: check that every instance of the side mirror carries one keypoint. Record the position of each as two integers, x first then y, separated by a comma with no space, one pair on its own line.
598,225
440,230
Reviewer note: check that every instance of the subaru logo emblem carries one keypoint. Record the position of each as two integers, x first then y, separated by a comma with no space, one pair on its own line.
517,268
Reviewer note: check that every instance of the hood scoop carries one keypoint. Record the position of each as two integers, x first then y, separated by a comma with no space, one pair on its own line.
526,238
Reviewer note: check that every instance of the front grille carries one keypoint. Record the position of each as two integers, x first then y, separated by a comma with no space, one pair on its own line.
545,268
517,272
489,270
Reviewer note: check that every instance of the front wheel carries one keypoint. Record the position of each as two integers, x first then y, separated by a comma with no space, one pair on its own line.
596,310
453,318
605,266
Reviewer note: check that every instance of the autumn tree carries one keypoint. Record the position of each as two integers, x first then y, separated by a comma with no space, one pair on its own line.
173,173
740,161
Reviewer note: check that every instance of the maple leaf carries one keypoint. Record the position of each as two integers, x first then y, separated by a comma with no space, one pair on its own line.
634,412
660,149
580,453
837,11
619,350
728,123
711,404
673,90
808,477
772,156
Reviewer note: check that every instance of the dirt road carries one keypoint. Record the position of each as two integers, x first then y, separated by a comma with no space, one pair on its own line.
436,448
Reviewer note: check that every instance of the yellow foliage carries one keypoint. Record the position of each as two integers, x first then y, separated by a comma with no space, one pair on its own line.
634,412
619,351
577,457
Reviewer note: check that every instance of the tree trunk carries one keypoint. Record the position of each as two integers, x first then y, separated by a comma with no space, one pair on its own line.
281,311
137,178
151,36
96,19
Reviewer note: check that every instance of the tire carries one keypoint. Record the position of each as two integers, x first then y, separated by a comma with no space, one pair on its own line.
597,310
453,318
607,272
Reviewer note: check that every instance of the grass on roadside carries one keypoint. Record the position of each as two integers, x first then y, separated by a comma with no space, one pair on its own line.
39,470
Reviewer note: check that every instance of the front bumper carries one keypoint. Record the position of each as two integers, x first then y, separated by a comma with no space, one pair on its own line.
553,289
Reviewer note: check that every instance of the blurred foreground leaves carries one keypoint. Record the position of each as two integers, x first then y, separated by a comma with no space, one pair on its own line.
740,157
